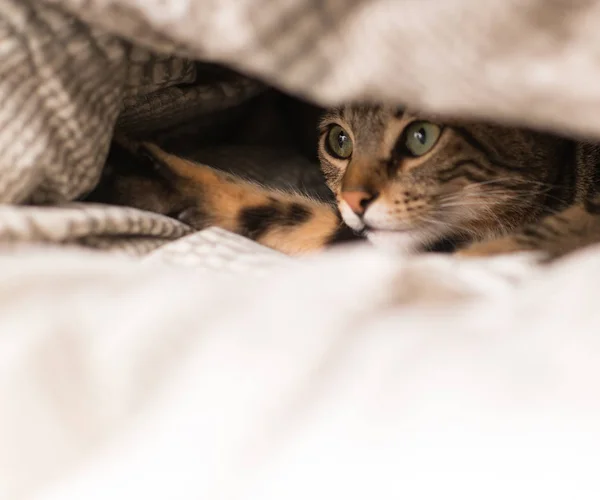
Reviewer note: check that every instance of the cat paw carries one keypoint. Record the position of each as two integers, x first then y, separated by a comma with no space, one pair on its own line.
194,217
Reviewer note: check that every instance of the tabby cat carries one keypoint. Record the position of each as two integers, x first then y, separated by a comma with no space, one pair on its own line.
400,179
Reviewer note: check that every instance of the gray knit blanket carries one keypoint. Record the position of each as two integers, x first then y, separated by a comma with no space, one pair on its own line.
73,71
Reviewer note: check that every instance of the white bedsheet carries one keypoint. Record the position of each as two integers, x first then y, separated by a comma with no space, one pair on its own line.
350,375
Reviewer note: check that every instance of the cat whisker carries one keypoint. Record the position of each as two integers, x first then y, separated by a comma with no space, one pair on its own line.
512,181
501,180
496,196
441,223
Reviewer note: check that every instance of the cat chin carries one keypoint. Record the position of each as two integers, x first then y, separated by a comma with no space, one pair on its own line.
404,242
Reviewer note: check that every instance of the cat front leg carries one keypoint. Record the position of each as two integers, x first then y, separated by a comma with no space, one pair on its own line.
288,222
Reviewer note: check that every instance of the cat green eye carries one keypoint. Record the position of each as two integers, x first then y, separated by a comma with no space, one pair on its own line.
421,137
338,143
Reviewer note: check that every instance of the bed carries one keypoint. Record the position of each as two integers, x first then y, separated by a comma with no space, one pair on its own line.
139,359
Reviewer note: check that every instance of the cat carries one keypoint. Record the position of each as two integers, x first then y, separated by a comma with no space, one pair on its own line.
400,179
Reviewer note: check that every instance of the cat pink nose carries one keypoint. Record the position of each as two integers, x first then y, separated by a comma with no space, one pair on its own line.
358,201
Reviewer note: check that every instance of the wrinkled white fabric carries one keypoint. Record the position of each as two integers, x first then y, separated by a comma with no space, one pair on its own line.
350,375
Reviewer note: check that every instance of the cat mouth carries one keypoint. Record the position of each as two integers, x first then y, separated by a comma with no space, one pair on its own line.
369,229
405,241
401,238
408,240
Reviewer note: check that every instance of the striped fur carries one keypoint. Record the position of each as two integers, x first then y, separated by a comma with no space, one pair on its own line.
495,188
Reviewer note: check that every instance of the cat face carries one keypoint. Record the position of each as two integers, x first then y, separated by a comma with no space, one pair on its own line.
407,180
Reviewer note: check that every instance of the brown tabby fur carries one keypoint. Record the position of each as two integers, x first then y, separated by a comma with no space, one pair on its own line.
499,189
